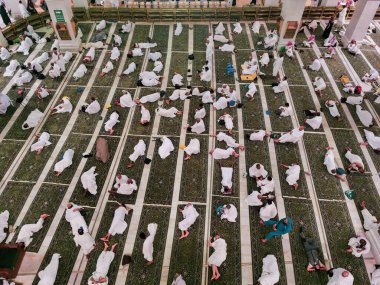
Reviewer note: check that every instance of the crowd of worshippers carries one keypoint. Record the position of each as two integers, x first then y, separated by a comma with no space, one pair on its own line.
264,195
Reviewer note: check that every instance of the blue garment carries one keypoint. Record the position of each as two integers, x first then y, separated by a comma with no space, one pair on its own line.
282,229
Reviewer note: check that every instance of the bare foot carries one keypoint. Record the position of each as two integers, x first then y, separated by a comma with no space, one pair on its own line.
44,216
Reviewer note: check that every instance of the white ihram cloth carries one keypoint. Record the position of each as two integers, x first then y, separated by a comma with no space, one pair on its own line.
112,121
372,140
23,11
230,141
277,65
194,147
168,113
11,68
178,29
65,162
148,243
315,123
253,200
220,153
55,71
43,92
4,53
354,100
228,122
330,161
119,181
370,221
177,80
198,127
33,119
150,98
126,28
147,45
26,232
145,115
5,102
375,278
251,90
353,158
257,136
118,225
108,67
126,100
293,136
342,16
227,177
137,52
200,114
55,45
293,174
237,28
64,107
332,108
255,173
338,279
67,56
179,94
256,27
354,242
316,65
319,84
93,107
221,103
221,38
25,46
219,29
138,150
190,215
166,148
115,53
102,24
270,274
281,87
206,75
220,252
4,217
88,180
131,68
270,42
179,281
102,267
80,72
269,211
264,59
117,39
229,214
42,58
158,66
49,274
364,116
127,188
43,140
23,78
266,186
75,219
91,53
85,241
227,48
154,56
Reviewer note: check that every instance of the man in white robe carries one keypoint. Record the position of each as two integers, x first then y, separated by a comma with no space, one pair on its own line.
107,68
372,76
256,27
138,150
101,26
219,29
331,164
219,153
25,45
177,79
35,67
352,100
99,276
277,65
218,256
115,54
293,136
228,122
228,47
333,109
80,72
55,70
32,33
85,241
207,96
178,280
93,107
90,55
254,199
125,101
198,127
33,119
252,89
181,94
221,38
135,52
23,11
258,136
88,179
319,85
315,66
65,162
372,140
271,40
43,141
117,41
356,162
126,28
118,225
178,29
353,48
358,246
257,171
237,28
126,187
168,113
365,116
315,122
206,74
221,103
5,102
282,86
26,232
64,107
375,276
229,213
158,66
270,274
130,69
267,212
145,116
154,56
4,217
75,218
42,92
340,276
24,78
194,147
112,121
11,68
166,148
49,274
230,141
148,243
200,112
4,54
190,215
145,45
293,174
284,111
266,185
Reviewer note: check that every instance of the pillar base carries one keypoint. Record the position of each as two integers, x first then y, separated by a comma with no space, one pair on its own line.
72,45
345,41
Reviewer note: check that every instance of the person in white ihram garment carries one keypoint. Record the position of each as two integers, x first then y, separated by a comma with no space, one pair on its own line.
148,242
86,242
178,29
168,113
118,225
190,215
115,54
33,119
99,276
166,148
319,85
49,274
365,116
258,136
126,28
292,174
230,141
292,137
75,218
198,127
23,11
340,276
178,280
4,217
356,162
130,68
64,107
42,142
88,179
219,153
112,121
125,101
229,212
23,78
11,68
93,107
270,273
281,86
194,147
138,150
25,236
218,256
80,72
5,102
101,26
66,161
267,212
4,54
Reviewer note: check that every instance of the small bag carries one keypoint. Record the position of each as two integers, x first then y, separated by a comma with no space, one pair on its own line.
344,79
147,160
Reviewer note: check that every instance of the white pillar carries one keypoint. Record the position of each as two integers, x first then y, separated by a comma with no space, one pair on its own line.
268,3
291,14
80,3
3,40
13,5
65,29
365,11
329,3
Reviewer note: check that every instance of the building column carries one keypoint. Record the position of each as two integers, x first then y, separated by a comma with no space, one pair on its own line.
13,5
291,20
3,40
365,11
329,3
80,3
268,3
64,25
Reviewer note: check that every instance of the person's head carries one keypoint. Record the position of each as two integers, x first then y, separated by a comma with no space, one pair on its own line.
129,181
51,64
362,243
269,178
270,202
258,166
20,2
80,231
127,259
198,120
333,171
142,235
129,54
200,106
29,65
301,128
361,169
25,126
69,206
212,91
345,273
93,99
206,68
287,105
228,206
285,78
285,221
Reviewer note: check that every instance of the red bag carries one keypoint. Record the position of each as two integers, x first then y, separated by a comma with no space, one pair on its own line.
358,89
